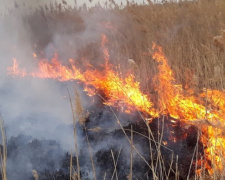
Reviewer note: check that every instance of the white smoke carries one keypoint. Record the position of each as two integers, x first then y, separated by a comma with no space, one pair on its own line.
38,107
23,4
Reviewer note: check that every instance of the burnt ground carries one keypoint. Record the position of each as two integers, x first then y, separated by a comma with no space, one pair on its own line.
106,138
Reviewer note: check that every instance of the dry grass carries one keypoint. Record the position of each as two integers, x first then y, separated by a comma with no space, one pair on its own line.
3,151
131,155
192,36
74,111
35,174
91,155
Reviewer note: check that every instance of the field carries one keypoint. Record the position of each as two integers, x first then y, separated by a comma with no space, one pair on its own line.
170,54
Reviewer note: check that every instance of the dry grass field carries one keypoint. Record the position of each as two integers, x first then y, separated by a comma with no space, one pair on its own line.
191,34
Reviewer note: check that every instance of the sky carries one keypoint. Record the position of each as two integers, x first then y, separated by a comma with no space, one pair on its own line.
8,4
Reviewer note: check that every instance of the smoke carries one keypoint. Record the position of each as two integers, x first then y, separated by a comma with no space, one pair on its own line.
38,108
29,106
26,103
23,4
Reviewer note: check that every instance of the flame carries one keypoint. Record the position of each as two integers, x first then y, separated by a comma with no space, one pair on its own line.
171,96
122,93
126,95
165,143
177,104
15,70
34,55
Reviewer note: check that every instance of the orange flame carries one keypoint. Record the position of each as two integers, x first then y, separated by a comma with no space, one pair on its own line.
174,102
15,70
171,96
34,55
126,95
122,93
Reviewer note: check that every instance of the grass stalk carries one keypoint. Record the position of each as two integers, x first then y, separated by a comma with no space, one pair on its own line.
3,151
91,154
75,136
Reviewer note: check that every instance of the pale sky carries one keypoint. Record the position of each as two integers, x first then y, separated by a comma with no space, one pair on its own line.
8,4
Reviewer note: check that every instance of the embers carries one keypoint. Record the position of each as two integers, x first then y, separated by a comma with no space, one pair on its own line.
169,139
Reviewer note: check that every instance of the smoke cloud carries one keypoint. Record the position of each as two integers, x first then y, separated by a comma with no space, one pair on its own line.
23,4
37,113
37,108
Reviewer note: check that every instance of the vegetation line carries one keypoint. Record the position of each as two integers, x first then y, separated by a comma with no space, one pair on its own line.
3,151
91,154
75,135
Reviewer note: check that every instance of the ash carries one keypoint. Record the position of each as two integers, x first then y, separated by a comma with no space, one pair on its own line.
111,150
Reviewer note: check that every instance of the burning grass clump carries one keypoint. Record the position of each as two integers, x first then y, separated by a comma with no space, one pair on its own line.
111,151
157,149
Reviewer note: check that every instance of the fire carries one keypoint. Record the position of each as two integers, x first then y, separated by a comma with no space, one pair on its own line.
188,108
121,93
171,95
34,55
125,94
15,70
